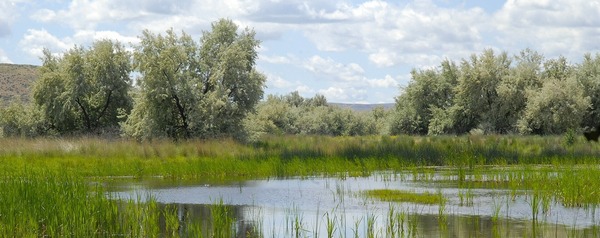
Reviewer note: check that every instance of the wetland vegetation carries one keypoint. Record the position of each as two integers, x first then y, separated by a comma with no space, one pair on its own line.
62,187
298,167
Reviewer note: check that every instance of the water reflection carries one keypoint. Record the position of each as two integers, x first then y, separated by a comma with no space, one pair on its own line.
203,218
246,222
316,206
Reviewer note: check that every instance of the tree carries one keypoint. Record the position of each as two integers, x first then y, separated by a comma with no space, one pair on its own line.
588,76
512,90
476,94
428,90
274,116
20,119
558,106
85,89
50,95
189,89
561,95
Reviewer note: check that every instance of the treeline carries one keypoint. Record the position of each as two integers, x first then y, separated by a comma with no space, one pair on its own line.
495,93
210,88
293,114
185,88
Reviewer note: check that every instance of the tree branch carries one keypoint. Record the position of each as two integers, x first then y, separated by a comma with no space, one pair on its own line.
86,116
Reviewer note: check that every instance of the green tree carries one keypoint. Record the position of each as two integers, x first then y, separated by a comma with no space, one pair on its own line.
189,89
512,90
429,90
588,76
19,119
51,97
85,89
274,116
558,106
476,94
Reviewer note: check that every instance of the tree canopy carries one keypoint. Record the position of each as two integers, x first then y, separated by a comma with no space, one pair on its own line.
84,89
210,87
195,89
495,93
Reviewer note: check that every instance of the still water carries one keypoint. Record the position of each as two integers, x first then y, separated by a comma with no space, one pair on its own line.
319,206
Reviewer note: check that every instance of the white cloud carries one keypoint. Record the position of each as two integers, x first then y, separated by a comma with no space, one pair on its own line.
382,29
392,35
335,94
350,74
331,69
276,81
86,36
561,27
344,95
4,58
346,82
275,59
304,90
34,42
44,15
386,82
8,14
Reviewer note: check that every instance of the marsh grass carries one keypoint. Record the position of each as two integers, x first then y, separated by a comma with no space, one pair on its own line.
284,156
59,205
47,190
389,195
222,220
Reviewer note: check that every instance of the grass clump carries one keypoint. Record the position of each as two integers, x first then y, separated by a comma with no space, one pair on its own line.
390,195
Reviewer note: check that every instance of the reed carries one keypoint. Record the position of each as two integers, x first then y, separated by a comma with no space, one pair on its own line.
49,186
222,220
57,205
283,156
405,196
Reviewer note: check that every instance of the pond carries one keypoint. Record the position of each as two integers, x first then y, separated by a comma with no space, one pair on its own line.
338,207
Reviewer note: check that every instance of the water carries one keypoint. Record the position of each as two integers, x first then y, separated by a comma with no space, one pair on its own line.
286,207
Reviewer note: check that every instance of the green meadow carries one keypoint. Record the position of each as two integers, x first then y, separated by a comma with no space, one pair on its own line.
54,187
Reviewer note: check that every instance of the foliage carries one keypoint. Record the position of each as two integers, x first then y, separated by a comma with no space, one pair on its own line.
430,90
389,195
284,155
557,107
195,89
20,119
495,93
85,89
55,187
587,75
292,114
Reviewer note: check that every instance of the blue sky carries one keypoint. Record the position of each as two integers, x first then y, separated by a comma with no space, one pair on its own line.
348,50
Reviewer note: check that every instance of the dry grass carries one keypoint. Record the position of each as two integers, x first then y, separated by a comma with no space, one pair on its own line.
15,81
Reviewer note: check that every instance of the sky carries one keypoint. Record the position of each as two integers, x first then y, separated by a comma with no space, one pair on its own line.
350,51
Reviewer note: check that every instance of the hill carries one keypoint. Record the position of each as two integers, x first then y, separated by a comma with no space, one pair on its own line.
363,107
15,81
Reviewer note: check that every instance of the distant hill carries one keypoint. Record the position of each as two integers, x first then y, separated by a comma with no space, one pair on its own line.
15,81
363,107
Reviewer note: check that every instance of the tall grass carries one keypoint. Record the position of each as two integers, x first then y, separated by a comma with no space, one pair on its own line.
46,186
59,205
283,156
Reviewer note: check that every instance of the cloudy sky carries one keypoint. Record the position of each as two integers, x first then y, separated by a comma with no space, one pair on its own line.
351,51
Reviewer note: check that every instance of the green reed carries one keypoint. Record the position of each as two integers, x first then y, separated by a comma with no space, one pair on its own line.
283,156
57,205
47,187
389,195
